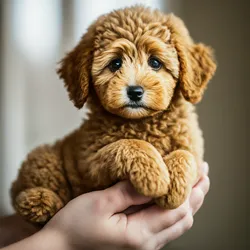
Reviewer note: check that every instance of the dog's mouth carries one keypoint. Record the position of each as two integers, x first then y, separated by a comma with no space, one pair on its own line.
136,105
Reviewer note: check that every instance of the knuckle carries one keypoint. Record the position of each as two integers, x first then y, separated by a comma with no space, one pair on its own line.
183,210
134,243
109,200
198,200
207,180
100,203
121,194
124,192
199,195
189,221
142,241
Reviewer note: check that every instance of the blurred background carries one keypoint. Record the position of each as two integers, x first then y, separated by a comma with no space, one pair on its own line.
35,34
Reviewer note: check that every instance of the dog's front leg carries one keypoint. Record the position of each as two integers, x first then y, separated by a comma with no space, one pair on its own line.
131,159
183,173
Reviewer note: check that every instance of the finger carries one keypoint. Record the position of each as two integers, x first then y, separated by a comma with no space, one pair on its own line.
156,219
198,193
205,168
203,184
203,171
175,231
196,200
121,196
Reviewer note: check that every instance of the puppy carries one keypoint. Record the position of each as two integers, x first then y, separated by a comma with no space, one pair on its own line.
140,73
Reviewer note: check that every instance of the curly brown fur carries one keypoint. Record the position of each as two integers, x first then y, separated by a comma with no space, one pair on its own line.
157,145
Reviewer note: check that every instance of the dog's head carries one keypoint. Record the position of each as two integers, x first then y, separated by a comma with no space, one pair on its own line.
134,59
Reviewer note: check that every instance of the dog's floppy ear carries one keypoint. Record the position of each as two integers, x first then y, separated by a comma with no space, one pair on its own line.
197,65
75,69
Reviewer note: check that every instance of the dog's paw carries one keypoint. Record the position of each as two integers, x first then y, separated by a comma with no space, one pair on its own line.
148,177
37,204
173,199
147,170
183,173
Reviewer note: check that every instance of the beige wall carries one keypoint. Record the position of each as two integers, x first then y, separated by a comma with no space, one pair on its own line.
223,221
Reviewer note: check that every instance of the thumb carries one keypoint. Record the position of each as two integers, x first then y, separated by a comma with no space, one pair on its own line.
123,195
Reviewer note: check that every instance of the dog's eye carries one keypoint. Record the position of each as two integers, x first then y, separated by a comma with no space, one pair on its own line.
154,63
115,64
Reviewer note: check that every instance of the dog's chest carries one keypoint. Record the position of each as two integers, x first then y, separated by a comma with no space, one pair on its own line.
165,134
156,133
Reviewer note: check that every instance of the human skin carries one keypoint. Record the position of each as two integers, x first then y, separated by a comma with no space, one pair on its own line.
102,220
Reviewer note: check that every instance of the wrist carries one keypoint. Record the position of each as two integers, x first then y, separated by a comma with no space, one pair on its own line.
53,239
46,239
43,240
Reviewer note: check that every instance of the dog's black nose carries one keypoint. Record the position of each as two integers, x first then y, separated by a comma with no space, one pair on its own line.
135,93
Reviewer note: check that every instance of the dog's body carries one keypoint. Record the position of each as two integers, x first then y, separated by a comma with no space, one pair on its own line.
148,135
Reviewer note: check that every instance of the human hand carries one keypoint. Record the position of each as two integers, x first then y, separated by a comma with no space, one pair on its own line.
96,220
